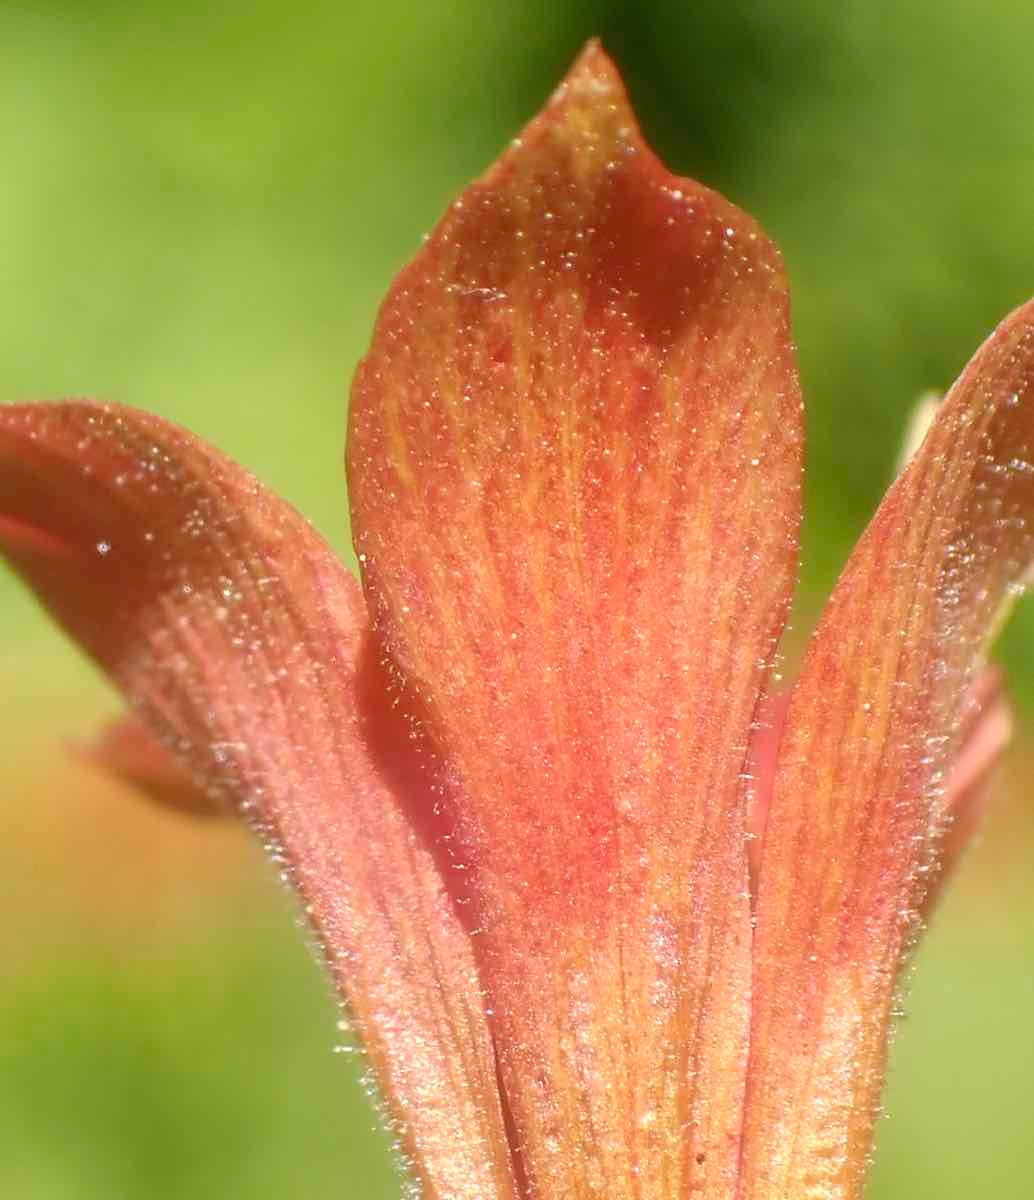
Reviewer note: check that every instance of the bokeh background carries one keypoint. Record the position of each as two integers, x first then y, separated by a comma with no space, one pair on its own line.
201,203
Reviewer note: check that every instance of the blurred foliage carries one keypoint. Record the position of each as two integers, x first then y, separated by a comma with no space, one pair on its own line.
200,205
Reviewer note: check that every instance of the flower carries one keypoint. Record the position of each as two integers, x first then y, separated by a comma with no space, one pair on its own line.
611,919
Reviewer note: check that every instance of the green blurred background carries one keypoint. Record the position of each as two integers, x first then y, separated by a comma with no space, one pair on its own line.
200,206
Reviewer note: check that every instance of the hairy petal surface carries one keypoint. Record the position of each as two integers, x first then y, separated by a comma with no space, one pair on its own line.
862,795
985,730
574,466
244,643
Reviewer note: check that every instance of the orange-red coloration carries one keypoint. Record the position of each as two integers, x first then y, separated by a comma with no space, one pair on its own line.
859,803
130,751
531,793
985,727
579,398
244,642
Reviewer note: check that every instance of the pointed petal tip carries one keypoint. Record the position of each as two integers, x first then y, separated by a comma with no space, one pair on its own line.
593,68
578,397
592,85
593,95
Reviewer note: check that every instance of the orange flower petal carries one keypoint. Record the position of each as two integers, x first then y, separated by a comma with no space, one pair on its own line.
985,730
573,463
240,637
860,804
762,759
128,749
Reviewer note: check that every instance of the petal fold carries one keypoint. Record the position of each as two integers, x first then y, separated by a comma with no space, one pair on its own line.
129,750
864,796
245,644
985,730
574,467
